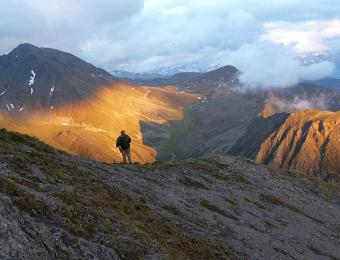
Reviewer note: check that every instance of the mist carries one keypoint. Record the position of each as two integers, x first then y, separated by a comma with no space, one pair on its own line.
268,65
281,105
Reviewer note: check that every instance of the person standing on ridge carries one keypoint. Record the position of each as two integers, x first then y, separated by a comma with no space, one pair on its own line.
123,142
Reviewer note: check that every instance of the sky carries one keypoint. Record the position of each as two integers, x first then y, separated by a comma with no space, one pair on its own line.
261,38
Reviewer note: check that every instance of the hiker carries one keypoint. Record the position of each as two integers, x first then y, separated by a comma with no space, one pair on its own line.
123,142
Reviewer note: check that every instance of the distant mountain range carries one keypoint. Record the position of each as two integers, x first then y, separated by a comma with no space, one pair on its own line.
165,72
81,109
233,120
332,56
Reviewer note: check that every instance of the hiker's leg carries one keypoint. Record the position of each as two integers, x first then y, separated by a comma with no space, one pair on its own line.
128,152
124,156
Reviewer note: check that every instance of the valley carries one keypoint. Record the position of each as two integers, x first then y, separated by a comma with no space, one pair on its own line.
78,108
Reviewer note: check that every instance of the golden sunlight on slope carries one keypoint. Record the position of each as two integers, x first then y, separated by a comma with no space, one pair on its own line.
308,142
89,128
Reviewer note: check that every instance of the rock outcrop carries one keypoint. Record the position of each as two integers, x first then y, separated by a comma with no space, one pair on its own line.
308,142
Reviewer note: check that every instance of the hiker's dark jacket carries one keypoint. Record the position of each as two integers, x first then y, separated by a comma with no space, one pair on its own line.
123,142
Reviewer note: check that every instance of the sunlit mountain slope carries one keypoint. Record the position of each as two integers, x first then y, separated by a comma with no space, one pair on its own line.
89,127
307,142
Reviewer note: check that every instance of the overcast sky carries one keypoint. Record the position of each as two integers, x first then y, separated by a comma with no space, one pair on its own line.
140,36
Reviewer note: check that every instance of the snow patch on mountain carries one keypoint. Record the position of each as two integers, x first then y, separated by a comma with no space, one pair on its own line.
8,108
32,78
51,91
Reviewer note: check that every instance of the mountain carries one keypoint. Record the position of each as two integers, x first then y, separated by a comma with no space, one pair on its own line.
167,71
79,108
57,206
230,119
195,81
176,79
331,56
307,142
135,76
40,78
332,83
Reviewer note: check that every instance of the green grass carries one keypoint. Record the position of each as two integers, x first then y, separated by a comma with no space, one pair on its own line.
276,201
230,201
163,166
208,169
241,179
23,200
315,250
173,210
206,204
190,183
177,132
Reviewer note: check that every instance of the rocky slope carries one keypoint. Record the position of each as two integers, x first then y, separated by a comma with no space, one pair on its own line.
307,142
53,205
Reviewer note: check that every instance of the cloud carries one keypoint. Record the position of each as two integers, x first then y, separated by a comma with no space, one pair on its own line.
279,105
267,65
215,33
305,37
262,39
62,24
82,12
170,34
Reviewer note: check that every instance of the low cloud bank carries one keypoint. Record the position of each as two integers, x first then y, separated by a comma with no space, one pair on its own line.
268,65
279,105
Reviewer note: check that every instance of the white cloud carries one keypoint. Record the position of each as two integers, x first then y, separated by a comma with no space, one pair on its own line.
142,35
305,37
103,50
280,104
62,24
267,65
82,12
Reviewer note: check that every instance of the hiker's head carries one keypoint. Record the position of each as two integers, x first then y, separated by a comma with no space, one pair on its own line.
122,132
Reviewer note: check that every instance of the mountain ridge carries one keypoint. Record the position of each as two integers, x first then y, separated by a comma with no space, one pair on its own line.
215,207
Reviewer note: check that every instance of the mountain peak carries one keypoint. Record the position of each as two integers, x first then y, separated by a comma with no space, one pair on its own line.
24,48
30,73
